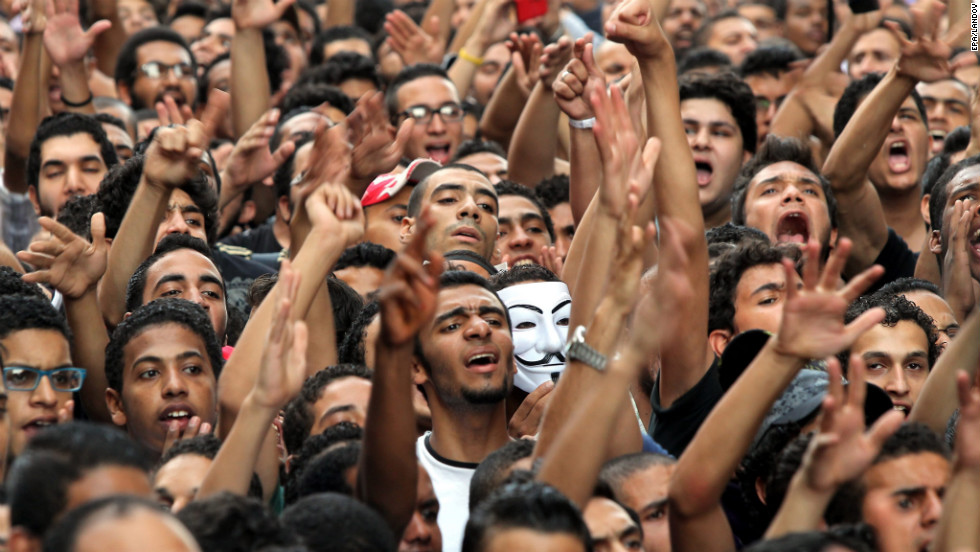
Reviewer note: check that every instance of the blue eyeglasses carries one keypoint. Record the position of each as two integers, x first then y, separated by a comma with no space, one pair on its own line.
25,378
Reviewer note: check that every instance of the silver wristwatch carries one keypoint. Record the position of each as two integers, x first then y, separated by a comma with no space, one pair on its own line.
577,349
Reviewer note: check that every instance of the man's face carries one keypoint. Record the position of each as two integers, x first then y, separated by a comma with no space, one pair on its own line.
539,312
769,92
485,80
806,24
175,483
763,17
564,223
716,143
121,141
148,89
904,154
383,221
611,528
437,139
941,313
131,532
875,52
897,359
70,166
308,121
683,20
904,500
9,52
463,206
215,40
786,201
136,15
189,27
186,274
947,107
492,165
964,186
167,378
468,353
182,217
287,37
645,492
522,233
422,533
734,37
759,298
614,60
31,411
343,400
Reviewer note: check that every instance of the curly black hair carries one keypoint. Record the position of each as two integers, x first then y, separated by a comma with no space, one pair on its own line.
12,283
333,34
365,254
728,273
897,309
351,349
857,91
226,522
312,94
731,91
30,312
298,415
521,274
77,215
770,59
67,124
314,445
553,190
509,187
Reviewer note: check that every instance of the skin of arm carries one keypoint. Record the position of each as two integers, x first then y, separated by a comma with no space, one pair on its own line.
108,44
463,70
25,112
469,27
340,12
535,142
504,109
936,402
66,45
961,505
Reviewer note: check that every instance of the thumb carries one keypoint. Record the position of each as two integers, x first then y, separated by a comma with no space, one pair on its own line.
283,152
97,28
98,230
431,26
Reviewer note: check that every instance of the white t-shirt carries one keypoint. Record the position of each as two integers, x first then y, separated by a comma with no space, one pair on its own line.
451,483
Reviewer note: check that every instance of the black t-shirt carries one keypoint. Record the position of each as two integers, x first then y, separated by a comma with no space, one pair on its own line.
898,260
258,240
239,271
674,427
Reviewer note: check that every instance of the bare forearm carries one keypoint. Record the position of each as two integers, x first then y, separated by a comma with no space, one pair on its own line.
802,509
469,27
340,12
25,108
443,9
958,527
108,44
234,465
938,398
504,110
74,87
88,351
249,78
585,172
532,150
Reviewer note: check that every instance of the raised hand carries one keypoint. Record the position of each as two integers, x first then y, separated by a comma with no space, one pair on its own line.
407,295
958,282
258,14
413,43
32,15
169,113
526,420
625,171
926,56
251,161
525,57
283,369
634,24
968,427
174,156
580,79
193,429
813,316
330,160
333,208
842,450
375,152
65,261
555,57
64,39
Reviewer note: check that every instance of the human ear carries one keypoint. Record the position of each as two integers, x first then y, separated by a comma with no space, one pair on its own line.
407,230
718,340
114,403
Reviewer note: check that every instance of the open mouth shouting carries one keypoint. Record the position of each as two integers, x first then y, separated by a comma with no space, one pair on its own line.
438,151
975,242
793,227
938,139
704,171
898,157
483,360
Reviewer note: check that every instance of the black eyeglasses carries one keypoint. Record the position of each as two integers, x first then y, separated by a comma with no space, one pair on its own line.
450,113
157,69
25,378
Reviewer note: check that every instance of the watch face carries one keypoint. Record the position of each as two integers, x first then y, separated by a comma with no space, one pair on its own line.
539,314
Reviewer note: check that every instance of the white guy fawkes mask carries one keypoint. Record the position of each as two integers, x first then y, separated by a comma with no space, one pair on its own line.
539,314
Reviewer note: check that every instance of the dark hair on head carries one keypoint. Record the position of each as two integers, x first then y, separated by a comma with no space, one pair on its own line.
346,303
535,506
522,274
365,254
728,273
119,186
226,522
313,94
731,91
856,538
759,464
55,458
12,284
327,471
703,59
125,72
939,193
335,435
67,124
333,34
298,415
352,348
220,11
911,438
509,187
495,468
770,59
734,234
370,14
615,472
957,140
472,147
30,312
897,309
77,215
277,137
170,243
786,461
908,285
324,521
260,288
111,120
901,23
102,103
703,34
282,179
553,190
63,537
774,150
191,8
159,313
344,66
419,191
405,76
465,255
7,83
935,168
206,445
857,91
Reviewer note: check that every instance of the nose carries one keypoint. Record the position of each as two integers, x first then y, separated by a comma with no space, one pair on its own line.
897,384
44,395
896,124
701,138
477,328
686,17
74,182
173,383
792,193
468,209
436,124
932,509
519,239
417,530
176,223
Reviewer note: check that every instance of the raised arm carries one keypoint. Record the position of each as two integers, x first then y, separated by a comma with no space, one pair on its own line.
508,100
387,474
494,27
73,266
27,105
108,44
248,74
961,505
67,45
812,326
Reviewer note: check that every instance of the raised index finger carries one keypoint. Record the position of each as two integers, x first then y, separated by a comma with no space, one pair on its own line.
215,111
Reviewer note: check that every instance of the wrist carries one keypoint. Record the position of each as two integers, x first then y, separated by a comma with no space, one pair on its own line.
471,54
582,124
783,354
258,406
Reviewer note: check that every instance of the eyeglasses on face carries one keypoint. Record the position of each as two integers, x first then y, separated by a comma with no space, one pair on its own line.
26,378
157,69
450,113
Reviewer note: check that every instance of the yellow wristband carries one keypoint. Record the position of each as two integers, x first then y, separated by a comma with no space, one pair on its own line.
464,55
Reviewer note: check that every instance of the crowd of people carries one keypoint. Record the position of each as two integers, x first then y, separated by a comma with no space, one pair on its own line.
489,275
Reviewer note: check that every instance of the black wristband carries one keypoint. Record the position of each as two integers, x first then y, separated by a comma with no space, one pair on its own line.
79,104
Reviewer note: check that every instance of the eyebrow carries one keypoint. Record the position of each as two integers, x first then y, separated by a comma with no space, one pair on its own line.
781,178
655,504
182,356
971,187
207,278
459,187
334,410
401,206
528,307
187,208
460,311
771,286
525,217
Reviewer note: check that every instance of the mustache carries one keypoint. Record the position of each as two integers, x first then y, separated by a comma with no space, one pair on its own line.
547,359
